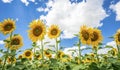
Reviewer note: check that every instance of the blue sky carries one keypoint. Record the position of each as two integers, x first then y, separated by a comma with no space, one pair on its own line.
24,11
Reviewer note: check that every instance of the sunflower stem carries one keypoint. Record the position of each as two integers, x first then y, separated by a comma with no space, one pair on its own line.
3,68
96,49
79,50
34,46
42,50
118,51
56,46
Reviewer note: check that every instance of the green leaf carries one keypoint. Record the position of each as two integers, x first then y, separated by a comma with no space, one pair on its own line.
108,46
46,42
93,66
6,41
58,41
111,37
116,66
16,34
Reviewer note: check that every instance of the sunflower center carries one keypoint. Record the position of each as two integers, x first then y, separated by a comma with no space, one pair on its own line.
54,32
37,56
28,53
15,41
119,37
94,36
37,31
8,27
47,53
85,35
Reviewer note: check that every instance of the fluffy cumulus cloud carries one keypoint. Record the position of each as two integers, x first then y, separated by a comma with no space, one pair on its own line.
7,1
70,16
1,42
70,50
116,9
105,50
50,43
26,2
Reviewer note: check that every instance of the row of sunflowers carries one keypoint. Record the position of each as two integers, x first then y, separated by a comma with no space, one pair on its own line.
49,59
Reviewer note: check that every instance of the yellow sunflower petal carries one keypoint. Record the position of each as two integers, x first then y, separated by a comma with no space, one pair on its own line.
7,26
37,31
54,31
28,54
117,37
85,35
16,42
95,37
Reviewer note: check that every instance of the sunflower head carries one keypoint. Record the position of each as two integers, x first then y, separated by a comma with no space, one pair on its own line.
16,42
95,37
37,31
7,26
28,54
92,54
0,61
77,60
54,31
38,57
85,34
11,60
60,54
47,54
117,37
20,56
114,51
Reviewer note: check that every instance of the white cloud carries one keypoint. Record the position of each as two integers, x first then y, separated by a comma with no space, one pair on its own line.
32,0
105,50
1,42
116,9
17,19
25,2
40,9
7,1
50,45
70,50
71,16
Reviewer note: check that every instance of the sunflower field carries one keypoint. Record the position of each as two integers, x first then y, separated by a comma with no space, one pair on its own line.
56,59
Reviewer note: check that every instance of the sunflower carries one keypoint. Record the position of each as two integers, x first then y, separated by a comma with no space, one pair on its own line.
77,60
28,54
20,56
114,51
95,37
11,60
16,42
47,54
37,31
0,61
60,54
117,37
54,31
92,54
85,34
7,26
39,56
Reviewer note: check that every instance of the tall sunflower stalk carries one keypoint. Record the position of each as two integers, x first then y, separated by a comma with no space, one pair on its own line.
6,55
91,36
7,27
54,33
117,40
79,50
96,38
37,32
